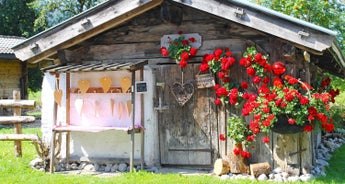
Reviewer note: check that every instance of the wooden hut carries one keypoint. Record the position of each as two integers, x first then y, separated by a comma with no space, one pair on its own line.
13,72
92,44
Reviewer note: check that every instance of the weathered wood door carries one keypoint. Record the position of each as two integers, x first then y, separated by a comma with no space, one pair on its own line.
185,131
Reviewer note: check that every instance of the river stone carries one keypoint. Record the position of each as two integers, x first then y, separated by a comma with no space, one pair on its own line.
262,177
108,168
122,167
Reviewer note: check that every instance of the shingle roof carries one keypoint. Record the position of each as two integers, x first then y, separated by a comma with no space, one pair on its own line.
7,42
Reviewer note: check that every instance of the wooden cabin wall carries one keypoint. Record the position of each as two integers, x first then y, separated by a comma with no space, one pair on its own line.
140,39
10,76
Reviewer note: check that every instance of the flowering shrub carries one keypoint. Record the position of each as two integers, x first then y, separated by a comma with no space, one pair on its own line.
275,94
180,50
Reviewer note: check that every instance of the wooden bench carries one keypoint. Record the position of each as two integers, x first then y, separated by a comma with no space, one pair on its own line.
17,120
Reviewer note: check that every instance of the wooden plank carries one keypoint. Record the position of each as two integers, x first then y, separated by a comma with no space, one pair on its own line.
17,103
7,120
18,137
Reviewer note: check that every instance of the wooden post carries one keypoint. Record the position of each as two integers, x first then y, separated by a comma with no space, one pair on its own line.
18,126
131,159
142,154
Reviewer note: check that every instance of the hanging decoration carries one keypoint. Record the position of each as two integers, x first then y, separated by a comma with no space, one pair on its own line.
112,103
79,103
125,83
83,86
58,96
105,83
120,109
129,107
58,93
182,48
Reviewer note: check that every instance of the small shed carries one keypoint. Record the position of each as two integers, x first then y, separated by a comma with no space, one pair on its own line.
130,31
13,72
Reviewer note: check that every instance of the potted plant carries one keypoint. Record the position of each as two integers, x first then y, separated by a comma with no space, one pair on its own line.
180,49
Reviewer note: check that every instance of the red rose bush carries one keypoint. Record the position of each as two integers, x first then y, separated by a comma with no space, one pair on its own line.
272,94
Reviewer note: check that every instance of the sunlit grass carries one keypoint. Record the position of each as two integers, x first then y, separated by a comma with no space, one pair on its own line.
17,170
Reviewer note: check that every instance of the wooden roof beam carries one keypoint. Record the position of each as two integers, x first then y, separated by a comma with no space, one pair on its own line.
66,35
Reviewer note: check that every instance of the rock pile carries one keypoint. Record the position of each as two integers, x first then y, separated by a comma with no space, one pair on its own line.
86,167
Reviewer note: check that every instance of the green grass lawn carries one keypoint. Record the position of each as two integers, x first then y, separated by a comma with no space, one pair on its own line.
17,170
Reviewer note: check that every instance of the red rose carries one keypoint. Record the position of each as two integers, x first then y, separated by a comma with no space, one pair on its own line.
266,110
237,151
277,82
184,55
266,139
180,32
222,137
266,80
256,79
291,121
218,52
251,71
258,57
164,51
184,42
278,68
216,86
245,154
308,128
221,75
304,100
191,39
204,67
244,62
217,101
228,53
244,85
266,122
328,127
193,51
221,92
183,63
250,138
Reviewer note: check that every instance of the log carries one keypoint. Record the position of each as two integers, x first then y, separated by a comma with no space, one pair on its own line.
18,137
237,164
221,167
7,120
17,103
260,168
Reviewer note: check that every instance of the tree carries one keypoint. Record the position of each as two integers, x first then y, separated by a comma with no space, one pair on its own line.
52,12
16,18
326,13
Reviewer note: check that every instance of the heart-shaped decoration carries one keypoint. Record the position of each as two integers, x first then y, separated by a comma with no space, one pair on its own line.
112,103
105,83
120,110
182,92
129,107
125,83
83,86
58,96
79,103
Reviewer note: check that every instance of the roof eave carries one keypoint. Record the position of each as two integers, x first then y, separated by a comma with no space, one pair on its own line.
301,33
80,28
